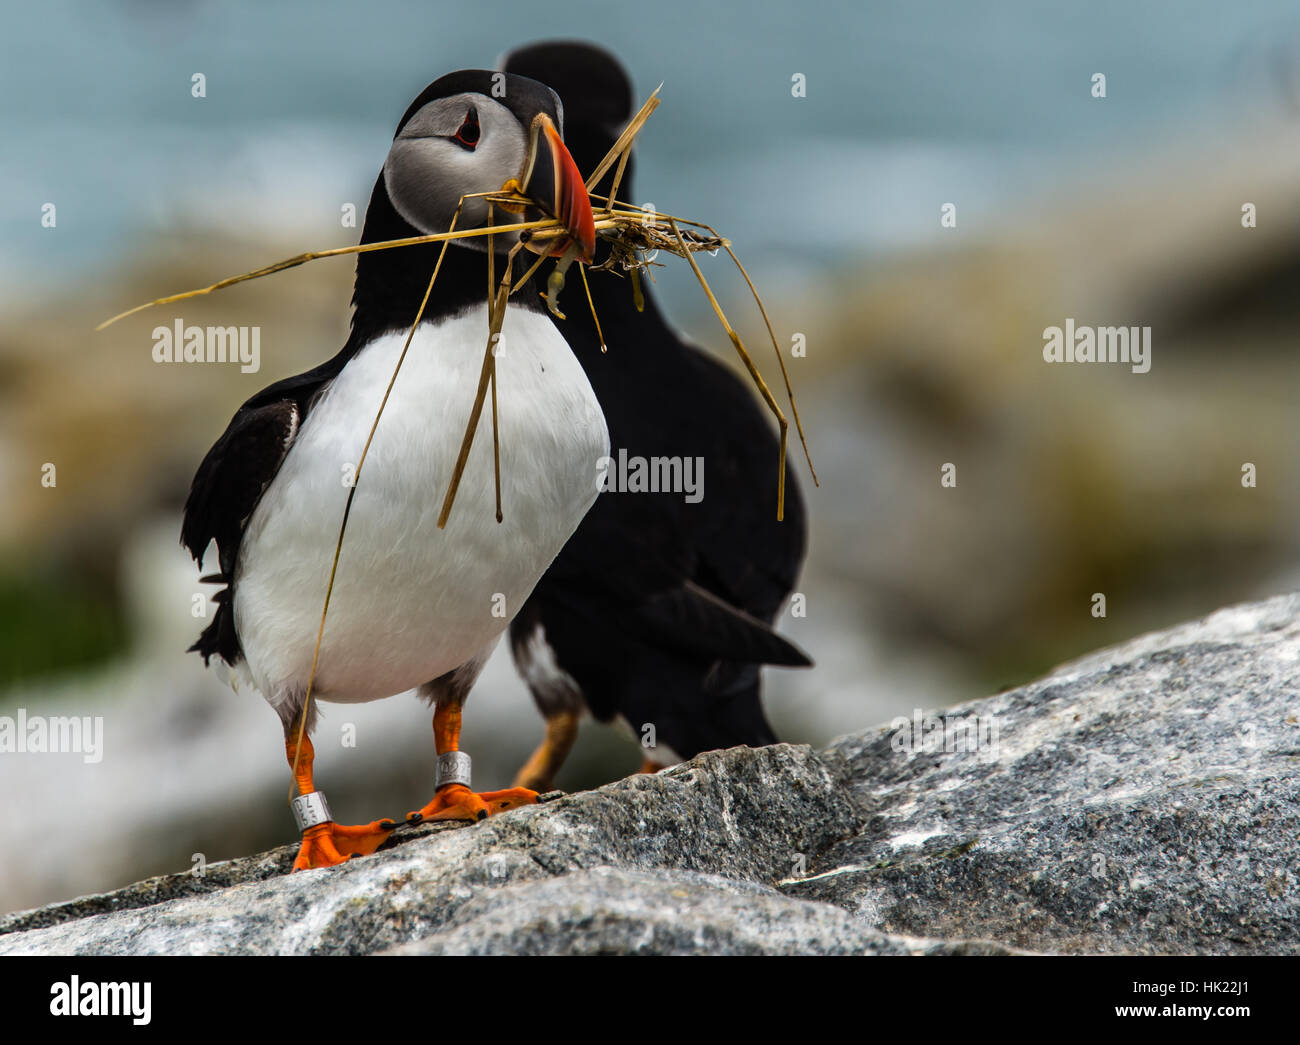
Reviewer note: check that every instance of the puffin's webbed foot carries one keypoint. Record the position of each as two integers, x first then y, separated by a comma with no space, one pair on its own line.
328,844
458,802
325,843
452,798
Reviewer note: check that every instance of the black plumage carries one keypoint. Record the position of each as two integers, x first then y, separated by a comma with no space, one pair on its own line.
659,610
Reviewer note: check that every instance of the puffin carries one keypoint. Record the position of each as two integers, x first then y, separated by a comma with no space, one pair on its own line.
413,605
657,614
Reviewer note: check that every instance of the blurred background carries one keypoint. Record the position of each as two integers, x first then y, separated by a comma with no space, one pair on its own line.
924,346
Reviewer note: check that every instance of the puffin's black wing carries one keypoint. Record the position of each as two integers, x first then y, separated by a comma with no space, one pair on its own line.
744,555
694,621
232,476
231,480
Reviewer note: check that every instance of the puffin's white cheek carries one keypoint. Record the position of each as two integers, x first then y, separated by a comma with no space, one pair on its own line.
426,182
417,181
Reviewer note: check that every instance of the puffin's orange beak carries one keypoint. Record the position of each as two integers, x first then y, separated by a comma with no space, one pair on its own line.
553,183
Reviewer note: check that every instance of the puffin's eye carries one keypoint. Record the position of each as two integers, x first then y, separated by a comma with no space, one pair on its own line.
468,133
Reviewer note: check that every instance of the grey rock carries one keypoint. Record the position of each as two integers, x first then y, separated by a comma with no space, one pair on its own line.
1142,799
741,814
612,911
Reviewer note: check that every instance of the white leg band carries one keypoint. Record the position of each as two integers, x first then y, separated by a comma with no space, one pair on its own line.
311,809
453,768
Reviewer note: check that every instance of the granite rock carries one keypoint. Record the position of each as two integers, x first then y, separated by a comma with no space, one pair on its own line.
1143,799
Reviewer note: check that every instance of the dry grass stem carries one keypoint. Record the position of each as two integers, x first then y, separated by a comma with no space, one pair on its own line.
749,365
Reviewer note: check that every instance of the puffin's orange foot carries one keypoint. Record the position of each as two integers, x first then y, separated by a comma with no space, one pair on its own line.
457,802
328,844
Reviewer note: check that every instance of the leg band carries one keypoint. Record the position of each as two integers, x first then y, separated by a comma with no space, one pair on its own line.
311,809
453,768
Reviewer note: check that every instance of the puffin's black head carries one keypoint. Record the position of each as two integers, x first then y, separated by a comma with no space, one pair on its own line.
596,93
477,131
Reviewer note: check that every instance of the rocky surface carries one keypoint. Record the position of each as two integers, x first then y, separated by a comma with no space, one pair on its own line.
1143,799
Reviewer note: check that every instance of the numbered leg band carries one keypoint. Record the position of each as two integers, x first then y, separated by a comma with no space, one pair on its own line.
310,809
453,768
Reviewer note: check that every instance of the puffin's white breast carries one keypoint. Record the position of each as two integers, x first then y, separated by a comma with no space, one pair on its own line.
410,601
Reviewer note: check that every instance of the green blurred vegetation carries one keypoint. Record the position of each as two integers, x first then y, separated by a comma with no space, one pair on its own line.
55,617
